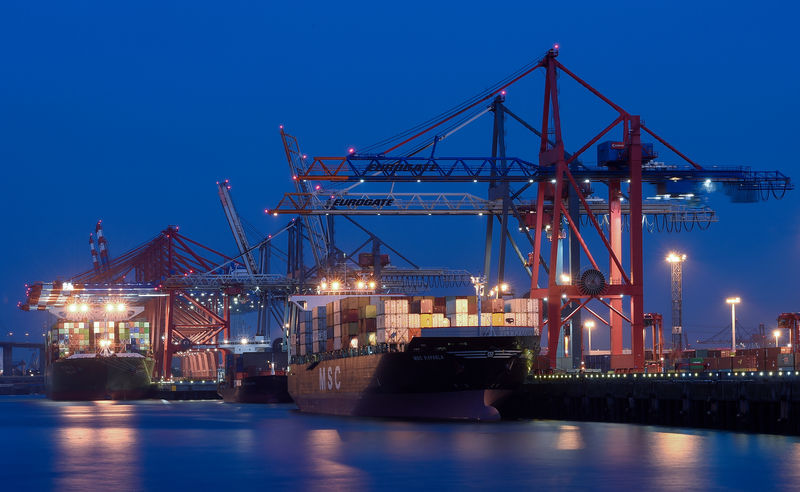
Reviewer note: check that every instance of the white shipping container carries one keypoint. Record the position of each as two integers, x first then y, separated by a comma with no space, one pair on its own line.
486,319
402,320
472,320
399,335
457,306
337,317
413,321
337,331
510,319
520,319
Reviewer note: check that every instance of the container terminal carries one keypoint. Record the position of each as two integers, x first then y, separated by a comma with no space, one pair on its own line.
574,228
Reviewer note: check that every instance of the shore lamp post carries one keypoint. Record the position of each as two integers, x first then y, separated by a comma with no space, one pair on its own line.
676,276
777,334
733,301
589,326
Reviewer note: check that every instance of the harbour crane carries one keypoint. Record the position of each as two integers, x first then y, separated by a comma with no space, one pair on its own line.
563,195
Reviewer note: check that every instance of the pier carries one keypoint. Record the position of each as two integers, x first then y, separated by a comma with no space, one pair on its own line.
765,402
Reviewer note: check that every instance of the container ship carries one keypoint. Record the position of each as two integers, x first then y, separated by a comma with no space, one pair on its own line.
414,358
99,360
256,373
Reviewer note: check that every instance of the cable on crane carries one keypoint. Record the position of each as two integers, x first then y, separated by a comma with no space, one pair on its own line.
437,120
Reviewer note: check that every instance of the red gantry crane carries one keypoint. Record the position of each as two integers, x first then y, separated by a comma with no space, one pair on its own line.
564,199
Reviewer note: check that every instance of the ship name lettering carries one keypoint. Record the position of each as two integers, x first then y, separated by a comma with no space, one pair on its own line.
429,357
330,379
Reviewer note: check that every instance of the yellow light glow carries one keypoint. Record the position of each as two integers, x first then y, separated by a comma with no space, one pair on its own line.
733,300
84,308
360,284
243,341
504,287
335,285
673,257
72,308
589,325
776,333
120,307
372,285
565,278
323,285
109,307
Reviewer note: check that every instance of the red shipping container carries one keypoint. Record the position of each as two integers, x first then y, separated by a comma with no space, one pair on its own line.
724,363
745,362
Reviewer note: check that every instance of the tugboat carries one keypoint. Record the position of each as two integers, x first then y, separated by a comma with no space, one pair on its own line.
255,373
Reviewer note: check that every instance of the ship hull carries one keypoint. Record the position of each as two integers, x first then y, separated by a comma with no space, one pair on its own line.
100,378
442,379
258,389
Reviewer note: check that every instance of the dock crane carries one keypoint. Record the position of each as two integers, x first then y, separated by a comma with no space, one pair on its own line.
563,193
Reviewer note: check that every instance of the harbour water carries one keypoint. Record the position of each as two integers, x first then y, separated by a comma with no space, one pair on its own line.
203,445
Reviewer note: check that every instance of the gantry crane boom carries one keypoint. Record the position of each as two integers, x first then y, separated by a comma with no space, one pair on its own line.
319,236
236,227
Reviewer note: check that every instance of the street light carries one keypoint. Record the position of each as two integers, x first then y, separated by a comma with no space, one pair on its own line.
733,301
777,334
589,326
676,276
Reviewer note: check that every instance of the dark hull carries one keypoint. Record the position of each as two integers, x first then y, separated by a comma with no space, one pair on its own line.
101,378
258,389
449,379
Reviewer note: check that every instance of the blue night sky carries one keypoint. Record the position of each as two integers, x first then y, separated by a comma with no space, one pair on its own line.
131,112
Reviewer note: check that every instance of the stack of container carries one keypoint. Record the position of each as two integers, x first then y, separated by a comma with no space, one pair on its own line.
81,337
319,330
136,334
353,322
72,338
392,321
305,330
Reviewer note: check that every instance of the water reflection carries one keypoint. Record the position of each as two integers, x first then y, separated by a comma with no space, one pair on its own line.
214,446
327,467
96,446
